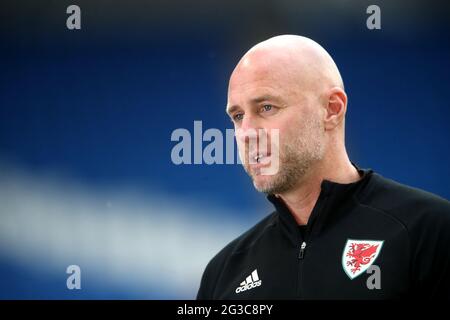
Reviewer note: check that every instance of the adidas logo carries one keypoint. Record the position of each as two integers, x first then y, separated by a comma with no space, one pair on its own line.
252,281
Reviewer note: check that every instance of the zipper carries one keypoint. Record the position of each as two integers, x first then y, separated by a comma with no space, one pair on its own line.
306,238
301,254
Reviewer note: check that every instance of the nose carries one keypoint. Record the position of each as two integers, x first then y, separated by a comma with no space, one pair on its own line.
248,133
248,128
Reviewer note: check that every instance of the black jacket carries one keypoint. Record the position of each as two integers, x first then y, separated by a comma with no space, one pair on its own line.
371,239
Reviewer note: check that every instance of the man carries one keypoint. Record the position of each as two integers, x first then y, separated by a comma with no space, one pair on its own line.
338,232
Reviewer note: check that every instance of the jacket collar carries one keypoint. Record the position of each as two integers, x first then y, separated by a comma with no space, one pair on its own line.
333,197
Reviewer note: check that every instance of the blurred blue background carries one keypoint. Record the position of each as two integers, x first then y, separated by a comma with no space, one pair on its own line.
86,117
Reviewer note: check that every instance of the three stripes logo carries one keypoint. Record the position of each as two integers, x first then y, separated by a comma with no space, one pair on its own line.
252,281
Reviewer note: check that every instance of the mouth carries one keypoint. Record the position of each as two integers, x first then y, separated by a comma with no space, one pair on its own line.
259,159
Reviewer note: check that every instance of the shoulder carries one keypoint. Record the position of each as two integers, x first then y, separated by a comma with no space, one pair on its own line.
410,206
247,239
426,218
241,244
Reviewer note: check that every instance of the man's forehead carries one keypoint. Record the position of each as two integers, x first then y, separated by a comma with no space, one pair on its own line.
260,72
257,91
257,84
259,69
263,74
253,85
250,77
241,96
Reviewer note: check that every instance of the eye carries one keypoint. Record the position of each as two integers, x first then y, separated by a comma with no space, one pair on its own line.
267,107
238,116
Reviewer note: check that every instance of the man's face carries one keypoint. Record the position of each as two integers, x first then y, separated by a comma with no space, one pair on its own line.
262,98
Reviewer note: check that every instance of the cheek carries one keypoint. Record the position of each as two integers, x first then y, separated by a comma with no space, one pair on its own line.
299,128
290,128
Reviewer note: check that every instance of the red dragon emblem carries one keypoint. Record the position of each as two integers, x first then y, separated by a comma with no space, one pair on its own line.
359,255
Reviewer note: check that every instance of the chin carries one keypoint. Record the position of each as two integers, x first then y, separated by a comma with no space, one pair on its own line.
263,183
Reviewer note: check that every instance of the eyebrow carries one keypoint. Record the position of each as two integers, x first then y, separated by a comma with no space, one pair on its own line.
256,100
231,109
265,97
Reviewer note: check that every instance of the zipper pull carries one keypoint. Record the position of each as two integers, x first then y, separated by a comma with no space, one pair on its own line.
302,250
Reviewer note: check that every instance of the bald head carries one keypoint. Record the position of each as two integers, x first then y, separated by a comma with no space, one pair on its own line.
299,61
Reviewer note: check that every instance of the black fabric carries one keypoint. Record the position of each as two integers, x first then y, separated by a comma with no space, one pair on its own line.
409,227
302,231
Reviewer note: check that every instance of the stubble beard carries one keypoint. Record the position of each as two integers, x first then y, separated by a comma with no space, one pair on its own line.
297,157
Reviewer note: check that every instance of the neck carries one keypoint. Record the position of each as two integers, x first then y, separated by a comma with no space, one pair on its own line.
302,199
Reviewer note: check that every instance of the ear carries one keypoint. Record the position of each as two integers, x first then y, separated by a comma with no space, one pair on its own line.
335,108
